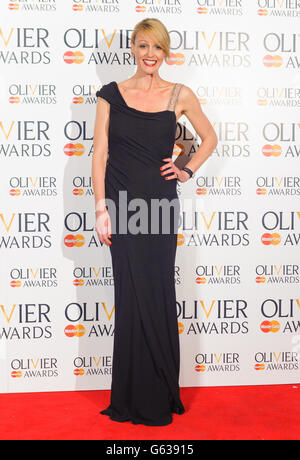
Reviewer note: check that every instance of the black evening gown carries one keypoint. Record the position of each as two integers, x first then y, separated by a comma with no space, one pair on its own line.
146,352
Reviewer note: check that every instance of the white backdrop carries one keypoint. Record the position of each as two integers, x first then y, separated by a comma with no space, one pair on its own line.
237,265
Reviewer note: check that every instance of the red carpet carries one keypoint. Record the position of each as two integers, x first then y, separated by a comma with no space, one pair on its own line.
218,413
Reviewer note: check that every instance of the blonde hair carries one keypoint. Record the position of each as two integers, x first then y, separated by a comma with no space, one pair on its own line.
156,29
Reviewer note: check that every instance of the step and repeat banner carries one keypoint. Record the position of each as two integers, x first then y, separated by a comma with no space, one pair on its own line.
238,259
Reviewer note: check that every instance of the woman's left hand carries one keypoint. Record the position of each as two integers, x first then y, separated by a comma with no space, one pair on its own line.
169,167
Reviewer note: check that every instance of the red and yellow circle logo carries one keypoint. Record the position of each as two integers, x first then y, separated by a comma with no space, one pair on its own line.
200,368
180,239
74,241
269,326
272,61
74,150
74,331
180,328
270,239
73,57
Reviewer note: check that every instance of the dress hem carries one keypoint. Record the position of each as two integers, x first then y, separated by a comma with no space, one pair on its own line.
136,421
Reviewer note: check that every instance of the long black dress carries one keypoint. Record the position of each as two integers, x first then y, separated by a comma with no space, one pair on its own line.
146,352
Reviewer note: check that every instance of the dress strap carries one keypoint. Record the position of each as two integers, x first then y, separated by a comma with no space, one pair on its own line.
174,96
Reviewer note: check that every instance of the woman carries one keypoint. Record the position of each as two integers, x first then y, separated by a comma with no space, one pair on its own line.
136,124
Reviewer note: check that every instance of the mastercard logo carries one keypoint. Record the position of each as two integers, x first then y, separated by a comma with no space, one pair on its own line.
262,102
261,191
178,149
13,6
74,241
15,192
74,331
262,12
78,191
79,372
77,7
180,239
270,238
259,367
16,374
15,283
269,326
78,100
175,59
200,368
269,150
14,100
180,328
201,191
140,9
260,279
201,280
79,282
202,10
74,150
73,57
272,61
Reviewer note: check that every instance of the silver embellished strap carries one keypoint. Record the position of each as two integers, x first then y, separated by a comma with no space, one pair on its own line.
174,96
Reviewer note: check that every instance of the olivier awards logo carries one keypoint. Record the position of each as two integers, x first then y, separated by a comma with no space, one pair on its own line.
282,227
283,186
227,96
214,274
29,277
222,186
84,94
96,6
32,94
278,97
284,48
233,140
25,322
272,361
24,45
93,276
163,7
217,316
213,49
278,8
25,139
283,139
220,7
92,366
82,227
97,47
78,135
215,228
92,320
28,6
25,230
43,186
280,315
34,368
82,185
217,362
277,274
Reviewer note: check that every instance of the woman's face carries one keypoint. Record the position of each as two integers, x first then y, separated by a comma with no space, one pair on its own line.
149,55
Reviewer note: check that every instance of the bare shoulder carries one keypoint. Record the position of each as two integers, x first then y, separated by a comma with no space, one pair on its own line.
125,84
187,99
187,94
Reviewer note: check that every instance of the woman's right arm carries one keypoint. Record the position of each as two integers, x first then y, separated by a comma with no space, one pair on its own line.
99,160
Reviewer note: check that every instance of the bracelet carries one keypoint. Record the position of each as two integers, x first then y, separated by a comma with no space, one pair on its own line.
189,171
